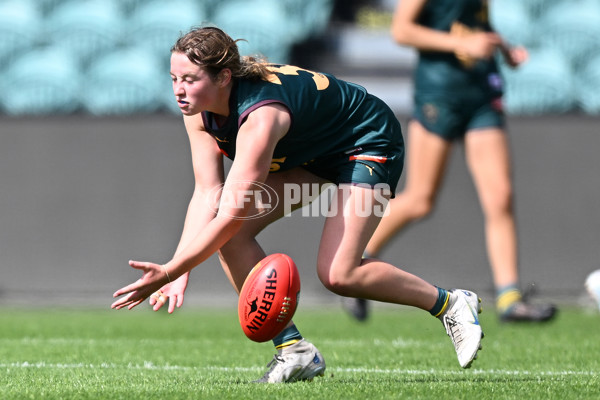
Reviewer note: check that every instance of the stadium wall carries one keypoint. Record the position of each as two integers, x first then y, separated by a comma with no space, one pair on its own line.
81,195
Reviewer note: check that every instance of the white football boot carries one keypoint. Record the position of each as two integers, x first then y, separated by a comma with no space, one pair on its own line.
301,361
462,324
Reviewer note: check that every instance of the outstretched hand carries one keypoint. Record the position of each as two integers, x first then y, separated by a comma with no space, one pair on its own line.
173,291
153,278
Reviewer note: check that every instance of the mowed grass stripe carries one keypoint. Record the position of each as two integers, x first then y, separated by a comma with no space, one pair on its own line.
69,341
396,371
83,354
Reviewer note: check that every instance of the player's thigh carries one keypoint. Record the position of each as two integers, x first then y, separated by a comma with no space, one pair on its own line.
355,212
427,156
488,158
286,191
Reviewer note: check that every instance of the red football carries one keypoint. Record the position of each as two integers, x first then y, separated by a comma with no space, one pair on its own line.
269,297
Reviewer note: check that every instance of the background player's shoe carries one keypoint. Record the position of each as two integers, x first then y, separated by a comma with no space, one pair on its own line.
462,324
301,361
522,311
357,308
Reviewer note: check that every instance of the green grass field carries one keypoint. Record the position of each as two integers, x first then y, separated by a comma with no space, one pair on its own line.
203,354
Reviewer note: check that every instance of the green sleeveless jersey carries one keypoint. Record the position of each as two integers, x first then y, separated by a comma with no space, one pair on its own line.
444,73
329,117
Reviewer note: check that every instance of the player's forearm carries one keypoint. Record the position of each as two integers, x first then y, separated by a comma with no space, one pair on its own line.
208,241
423,38
198,215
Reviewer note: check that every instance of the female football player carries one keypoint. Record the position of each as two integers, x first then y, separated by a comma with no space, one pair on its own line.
286,126
458,97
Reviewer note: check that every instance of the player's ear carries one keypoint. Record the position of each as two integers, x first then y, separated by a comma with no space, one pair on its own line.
224,77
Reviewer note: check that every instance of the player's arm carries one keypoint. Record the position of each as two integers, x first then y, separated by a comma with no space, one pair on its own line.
407,31
207,162
255,144
208,173
256,141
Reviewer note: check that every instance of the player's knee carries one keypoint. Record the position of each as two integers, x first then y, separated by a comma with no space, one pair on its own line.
421,206
336,282
498,203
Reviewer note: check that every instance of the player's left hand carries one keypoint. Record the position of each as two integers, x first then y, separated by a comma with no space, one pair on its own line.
153,278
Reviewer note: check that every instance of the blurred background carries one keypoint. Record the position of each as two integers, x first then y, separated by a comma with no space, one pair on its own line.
95,166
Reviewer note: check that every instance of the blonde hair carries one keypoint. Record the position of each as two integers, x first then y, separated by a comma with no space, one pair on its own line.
214,50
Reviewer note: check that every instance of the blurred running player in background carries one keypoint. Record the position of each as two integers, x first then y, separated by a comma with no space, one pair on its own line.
458,97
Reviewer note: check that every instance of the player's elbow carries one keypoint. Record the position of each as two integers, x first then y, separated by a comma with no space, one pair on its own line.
400,34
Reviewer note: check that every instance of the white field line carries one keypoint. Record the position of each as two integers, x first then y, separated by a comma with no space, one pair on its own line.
383,371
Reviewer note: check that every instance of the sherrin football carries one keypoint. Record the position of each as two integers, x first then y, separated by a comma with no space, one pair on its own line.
269,297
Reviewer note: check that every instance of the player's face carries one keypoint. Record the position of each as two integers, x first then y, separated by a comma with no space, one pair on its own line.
194,89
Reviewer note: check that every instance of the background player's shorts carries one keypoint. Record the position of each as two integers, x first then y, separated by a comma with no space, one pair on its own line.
451,117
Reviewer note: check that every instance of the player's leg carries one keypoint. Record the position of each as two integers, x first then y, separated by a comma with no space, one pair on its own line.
296,358
342,270
242,252
427,156
488,158
341,267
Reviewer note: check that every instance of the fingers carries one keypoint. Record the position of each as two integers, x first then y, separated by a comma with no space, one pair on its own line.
175,301
519,54
172,302
135,303
137,292
495,39
139,264
126,289
157,300
130,301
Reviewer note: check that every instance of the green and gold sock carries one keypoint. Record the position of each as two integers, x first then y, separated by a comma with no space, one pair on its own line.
441,303
506,296
287,337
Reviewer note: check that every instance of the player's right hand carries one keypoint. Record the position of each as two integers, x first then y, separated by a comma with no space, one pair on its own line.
173,291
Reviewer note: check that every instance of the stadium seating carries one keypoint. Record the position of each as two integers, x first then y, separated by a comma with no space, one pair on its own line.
47,7
41,82
125,81
512,19
156,25
587,83
129,7
538,8
89,34
310,18
86,28
20,23
573,28
541,85
264,26
85,31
